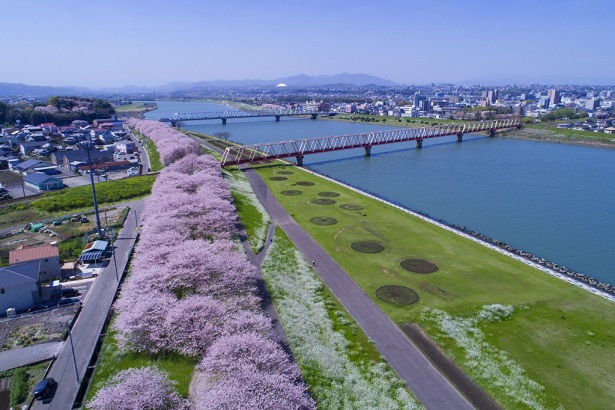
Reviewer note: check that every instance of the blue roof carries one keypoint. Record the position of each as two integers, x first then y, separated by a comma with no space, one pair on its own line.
38,178
91,256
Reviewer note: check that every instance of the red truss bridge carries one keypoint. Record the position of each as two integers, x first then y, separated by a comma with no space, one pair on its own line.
242,154
224,115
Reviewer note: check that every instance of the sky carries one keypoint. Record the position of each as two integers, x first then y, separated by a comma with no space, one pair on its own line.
116,43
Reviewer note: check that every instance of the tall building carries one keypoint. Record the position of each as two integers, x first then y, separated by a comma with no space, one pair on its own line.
554,97
592,103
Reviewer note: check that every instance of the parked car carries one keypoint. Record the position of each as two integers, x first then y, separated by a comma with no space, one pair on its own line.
37,307
70,292
43,388
68,301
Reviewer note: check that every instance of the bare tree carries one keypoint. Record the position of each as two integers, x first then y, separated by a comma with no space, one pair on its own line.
223,135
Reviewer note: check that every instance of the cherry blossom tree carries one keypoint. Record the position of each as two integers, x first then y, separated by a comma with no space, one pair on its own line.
146,388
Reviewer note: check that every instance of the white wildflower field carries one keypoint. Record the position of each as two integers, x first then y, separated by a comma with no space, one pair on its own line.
481,359
245,198
339,375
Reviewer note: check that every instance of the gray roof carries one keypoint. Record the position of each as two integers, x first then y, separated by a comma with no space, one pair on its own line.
82,155
19,274
33,163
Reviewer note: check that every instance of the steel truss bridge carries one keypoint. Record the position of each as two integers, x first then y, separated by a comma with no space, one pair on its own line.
224,115
242,154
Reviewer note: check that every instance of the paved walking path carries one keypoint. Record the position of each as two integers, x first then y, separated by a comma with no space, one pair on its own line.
24,356
428,385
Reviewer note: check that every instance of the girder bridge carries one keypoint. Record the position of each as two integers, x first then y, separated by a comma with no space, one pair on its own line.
225,115
242,154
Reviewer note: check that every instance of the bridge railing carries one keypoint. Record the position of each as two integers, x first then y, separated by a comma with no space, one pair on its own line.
283,149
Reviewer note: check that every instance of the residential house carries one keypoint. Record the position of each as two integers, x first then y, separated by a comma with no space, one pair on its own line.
102,134
42,182
126,147
26,148
34,165
48,257
19,286
65,158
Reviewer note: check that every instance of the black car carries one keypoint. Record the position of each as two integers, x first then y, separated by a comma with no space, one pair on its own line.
70,292
43,388
37,307
68,301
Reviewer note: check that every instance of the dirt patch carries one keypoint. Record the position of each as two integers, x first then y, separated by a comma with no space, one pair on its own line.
397,295
291,192
367,247
472,391
419,266
328,194
323,220
305,183
322,201
278,178
35,328
351,207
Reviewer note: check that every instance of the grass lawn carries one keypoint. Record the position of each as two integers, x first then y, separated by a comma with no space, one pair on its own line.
112,360
152,153
562,336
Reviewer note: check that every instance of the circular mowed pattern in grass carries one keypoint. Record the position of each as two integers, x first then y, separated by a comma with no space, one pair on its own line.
399,295
322,201
323,220
419,266
285,172
305,183
278,178
367,247
291,192
351,207
328,194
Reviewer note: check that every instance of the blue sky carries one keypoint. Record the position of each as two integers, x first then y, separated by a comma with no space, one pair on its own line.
153,42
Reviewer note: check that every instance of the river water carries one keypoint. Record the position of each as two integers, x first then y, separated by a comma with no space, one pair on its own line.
552,200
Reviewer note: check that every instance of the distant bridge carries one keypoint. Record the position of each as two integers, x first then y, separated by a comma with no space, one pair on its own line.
242,154
224,115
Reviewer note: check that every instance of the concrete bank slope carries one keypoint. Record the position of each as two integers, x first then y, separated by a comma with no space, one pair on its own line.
433,389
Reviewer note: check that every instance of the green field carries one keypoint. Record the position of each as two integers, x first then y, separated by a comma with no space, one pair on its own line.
561,336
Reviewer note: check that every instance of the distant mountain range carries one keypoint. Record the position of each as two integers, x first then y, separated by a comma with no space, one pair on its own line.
302,80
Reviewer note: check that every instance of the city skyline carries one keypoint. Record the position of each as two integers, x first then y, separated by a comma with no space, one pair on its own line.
70,43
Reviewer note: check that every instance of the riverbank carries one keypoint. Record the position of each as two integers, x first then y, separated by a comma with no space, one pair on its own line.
533,134
550,316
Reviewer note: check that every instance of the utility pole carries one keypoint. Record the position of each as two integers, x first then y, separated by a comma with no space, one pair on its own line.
70,338
98,228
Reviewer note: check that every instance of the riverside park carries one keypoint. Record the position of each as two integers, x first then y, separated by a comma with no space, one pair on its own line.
529,339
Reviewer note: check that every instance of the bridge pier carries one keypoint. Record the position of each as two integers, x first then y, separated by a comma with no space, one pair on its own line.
419,143
277,118
460,137
368,150
223,121
173,124
314,116
299,160
491,133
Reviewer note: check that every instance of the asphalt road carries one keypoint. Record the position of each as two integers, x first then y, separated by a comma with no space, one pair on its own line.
433,389
89,323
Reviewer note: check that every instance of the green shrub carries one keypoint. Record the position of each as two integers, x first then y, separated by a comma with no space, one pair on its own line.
19,387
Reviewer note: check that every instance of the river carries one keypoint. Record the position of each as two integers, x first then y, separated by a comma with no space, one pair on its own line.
552,200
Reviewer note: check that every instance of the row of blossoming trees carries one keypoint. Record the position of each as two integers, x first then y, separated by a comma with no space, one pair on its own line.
192,292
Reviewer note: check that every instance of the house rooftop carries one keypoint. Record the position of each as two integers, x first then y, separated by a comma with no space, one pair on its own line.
24,254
